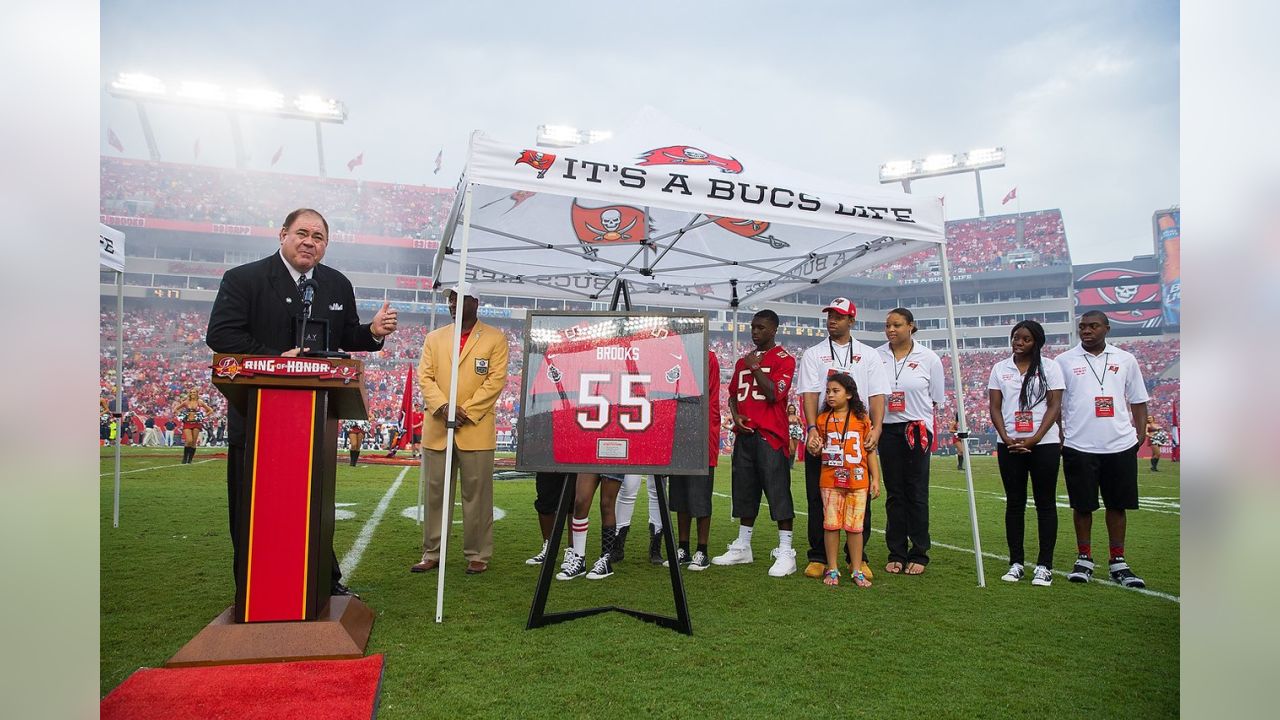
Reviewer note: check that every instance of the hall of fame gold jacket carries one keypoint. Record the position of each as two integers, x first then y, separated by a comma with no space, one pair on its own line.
482,374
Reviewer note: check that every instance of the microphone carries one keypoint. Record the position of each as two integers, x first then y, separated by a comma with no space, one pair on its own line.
308,295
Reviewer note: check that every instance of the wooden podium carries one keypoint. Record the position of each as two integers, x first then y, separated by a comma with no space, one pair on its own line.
285,514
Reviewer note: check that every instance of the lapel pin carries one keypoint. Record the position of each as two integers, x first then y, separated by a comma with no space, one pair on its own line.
288,300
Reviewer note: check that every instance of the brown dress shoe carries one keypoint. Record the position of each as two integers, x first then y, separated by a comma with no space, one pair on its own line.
425,566
475,567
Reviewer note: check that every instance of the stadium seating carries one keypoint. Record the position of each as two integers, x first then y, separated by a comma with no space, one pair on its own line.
166,356
990,244
201,193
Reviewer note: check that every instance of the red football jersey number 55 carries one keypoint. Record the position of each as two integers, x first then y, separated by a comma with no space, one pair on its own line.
634,411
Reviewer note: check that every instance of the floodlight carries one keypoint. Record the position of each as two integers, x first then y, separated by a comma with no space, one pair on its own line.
598,135
568,136
984,156
259,99
895,169
319,107
936,163
137,84
201,92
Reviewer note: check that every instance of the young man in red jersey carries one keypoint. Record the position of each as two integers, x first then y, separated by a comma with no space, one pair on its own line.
758,394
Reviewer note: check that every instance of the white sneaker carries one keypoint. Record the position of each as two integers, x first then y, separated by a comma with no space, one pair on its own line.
1042,576
784,562
1015,573
739,553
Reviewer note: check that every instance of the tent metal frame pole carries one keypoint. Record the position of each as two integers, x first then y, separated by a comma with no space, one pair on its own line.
115,506
422,465
962,425
733,303
452,421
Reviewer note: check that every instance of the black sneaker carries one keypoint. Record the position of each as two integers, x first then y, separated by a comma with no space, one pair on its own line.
699,561
655,545
602,569
1122,575
1082,571
573,567
541,556
682,558
620,544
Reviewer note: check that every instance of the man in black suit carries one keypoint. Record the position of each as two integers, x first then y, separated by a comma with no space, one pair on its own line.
257,311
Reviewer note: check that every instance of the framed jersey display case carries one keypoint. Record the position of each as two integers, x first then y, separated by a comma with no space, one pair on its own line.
618,392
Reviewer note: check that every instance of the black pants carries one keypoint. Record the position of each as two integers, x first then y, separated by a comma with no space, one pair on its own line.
813,494
1042,465
906,486
235,486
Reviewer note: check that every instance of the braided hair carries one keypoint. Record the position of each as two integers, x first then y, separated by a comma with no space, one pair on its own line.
1029,395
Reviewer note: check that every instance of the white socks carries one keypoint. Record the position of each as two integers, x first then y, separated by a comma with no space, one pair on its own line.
744,534
578,532
784,539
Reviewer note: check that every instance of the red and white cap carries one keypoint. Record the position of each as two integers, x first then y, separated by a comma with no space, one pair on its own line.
844,306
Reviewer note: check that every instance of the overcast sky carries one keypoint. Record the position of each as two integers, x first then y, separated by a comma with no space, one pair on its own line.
1083,95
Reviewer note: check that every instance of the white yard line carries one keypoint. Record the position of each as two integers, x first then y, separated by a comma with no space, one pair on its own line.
352,559
1005,558
157,467
1158,502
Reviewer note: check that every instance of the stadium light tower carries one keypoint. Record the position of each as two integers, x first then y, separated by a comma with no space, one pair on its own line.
974,161
565,136
143,89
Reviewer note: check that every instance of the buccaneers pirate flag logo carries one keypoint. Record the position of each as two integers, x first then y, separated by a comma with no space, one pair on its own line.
752,229
688,155
608,225
1126,288
540,160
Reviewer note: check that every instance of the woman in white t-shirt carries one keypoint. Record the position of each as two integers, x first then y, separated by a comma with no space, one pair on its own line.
1026,400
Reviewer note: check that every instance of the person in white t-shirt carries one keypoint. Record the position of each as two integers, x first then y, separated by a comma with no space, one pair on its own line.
839,352
916,387
1104,416
1025,394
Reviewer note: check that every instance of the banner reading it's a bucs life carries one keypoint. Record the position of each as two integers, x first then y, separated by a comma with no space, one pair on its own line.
682,176
616,392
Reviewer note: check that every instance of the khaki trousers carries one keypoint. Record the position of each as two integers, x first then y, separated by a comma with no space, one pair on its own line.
473,470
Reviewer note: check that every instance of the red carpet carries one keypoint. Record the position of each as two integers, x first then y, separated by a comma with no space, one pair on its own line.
316,690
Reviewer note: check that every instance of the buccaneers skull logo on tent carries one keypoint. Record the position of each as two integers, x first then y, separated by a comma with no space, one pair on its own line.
540,160
608,224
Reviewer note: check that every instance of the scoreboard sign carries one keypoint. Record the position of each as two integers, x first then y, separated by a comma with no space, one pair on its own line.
617,392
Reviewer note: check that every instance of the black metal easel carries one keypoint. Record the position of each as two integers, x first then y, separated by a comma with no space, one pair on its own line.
538,617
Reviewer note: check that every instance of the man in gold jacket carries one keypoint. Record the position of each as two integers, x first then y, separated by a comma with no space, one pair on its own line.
482,374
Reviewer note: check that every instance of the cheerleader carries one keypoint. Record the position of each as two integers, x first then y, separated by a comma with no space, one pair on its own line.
355,439
192,411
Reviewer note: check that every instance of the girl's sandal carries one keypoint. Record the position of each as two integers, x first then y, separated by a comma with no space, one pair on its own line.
832,578
861,580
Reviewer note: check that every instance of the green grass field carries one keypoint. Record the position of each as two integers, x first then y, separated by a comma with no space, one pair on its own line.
931,646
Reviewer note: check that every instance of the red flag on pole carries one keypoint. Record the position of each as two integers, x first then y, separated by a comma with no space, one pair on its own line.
406,408
276,158
1012,194
355,162
114,141
439,160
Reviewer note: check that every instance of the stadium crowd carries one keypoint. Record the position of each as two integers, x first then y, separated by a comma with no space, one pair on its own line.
990,244
201,193
166,356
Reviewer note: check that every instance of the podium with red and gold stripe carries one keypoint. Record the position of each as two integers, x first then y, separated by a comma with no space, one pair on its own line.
285,512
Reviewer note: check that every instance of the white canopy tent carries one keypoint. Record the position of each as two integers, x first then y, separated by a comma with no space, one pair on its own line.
681,218
111,257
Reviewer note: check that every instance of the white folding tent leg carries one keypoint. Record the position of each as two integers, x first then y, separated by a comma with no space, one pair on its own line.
447,503
115,507
962,426
422,460
733,359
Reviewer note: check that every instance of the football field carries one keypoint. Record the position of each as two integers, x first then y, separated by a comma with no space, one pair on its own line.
935,645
